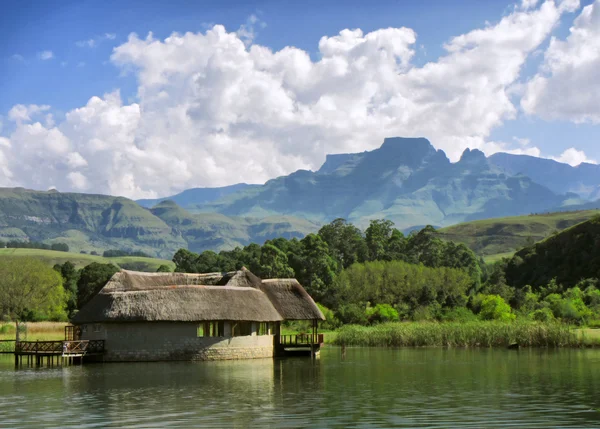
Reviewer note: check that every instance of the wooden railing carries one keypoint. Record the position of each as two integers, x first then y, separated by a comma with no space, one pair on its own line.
301,339
60,347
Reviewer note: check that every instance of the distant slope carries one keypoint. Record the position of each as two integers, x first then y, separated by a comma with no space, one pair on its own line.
80,260
583,180
84,221
570,256
214,231
406,180
191,198
99,222
492,237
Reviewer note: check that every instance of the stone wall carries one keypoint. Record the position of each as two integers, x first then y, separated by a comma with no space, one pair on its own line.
161,341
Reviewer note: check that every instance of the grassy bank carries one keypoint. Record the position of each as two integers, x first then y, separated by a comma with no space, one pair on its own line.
80,260
470,334
32,331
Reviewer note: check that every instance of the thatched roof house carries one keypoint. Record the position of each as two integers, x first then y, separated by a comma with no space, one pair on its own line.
161,308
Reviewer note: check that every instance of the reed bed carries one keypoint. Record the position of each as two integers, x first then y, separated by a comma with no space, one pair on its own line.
468,334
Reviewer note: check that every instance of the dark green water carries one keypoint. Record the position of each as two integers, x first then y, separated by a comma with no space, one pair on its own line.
384,388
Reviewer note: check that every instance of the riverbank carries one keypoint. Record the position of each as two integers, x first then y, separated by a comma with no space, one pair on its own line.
468,334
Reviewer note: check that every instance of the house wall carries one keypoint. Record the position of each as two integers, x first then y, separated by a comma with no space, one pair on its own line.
163,341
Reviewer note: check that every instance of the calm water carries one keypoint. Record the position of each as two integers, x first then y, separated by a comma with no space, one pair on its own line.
367,388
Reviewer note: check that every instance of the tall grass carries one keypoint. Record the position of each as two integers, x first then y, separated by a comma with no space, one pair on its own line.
43,331
468,334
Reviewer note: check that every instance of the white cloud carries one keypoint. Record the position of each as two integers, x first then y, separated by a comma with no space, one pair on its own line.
45,55
22,113
95,41
574,157
78,180
213,110
247,32
75,160
568,84
18,57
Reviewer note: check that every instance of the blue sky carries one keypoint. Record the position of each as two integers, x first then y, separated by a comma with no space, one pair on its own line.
57,55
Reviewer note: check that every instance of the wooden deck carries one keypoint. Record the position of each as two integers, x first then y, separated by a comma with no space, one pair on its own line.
63,352
299,345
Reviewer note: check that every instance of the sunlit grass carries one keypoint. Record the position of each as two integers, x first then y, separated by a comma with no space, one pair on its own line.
469,334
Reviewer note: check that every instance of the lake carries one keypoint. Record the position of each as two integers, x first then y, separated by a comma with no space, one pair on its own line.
366,388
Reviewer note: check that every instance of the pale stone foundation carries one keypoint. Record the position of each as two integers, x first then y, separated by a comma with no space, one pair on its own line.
174,341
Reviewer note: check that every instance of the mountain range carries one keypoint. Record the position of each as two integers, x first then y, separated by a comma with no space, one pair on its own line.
406,180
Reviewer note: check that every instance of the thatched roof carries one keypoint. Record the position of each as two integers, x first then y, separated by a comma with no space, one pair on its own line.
291,300
180,304
131,296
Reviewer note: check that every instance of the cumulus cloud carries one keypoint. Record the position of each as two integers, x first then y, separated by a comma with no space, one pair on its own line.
568,84
45,55
22,113
214,108
574,157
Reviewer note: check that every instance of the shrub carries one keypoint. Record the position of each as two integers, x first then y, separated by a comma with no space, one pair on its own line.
352,314
382,313
493,307
542,315
458,314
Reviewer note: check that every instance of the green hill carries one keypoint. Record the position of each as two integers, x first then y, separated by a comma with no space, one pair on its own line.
569,256
493,238
80,260
89,222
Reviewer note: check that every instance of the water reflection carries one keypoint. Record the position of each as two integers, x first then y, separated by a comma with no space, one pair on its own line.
368,388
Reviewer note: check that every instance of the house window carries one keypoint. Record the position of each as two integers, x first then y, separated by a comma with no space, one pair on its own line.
97,328
263,328
84,329
241,329
211,329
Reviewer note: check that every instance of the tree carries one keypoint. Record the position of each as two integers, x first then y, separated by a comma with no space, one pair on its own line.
92,278
274,263
163,269
185,261
377,236
26,285
318,268
346,242
70,276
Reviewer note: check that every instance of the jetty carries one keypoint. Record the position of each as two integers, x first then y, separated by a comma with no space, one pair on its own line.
56,353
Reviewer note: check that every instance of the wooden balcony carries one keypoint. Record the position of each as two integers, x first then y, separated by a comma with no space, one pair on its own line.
301,340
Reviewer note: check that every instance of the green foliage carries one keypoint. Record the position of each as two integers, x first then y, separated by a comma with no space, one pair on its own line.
70,277
542,315
273,263
460,334
458,314
397,283
352,314
382,313
346,242
493,307
112,253
568,257
30,289
164,269
331,321
92,278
